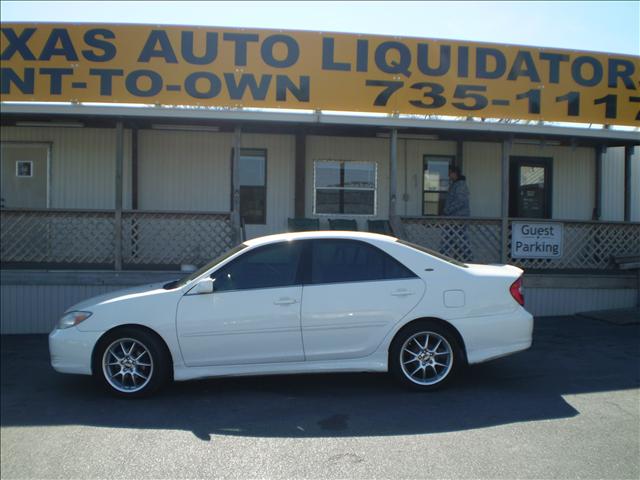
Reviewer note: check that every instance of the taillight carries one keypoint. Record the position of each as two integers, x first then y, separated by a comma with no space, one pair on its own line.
516,291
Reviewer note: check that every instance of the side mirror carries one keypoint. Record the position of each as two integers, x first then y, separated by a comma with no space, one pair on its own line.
204,286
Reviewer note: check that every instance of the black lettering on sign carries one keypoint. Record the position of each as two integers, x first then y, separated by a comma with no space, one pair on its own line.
213,85
301,91
91,38
106,78
9,77
328,61
622,69
577,72
524,66
362,55
292,47
65,49
188,49
157,45
237,88
497,58
153,79
400,61
554,60
55,78
18,44
240,40
443,65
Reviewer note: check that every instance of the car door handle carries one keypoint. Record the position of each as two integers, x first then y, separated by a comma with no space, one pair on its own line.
403,292
285,301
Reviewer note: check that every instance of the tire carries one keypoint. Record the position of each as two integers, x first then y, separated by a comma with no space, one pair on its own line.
131,363
420,368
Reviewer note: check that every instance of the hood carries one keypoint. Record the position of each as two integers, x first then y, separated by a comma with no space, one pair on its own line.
119,295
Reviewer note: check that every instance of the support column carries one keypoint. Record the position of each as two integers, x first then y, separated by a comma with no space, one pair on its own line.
459,155
628,152
235,185
597,208
393,182
300,175
504,232
117,224
134,168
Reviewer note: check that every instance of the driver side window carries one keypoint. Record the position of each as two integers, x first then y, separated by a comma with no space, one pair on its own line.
264,267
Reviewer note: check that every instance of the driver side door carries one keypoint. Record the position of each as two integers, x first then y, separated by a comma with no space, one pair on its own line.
253,315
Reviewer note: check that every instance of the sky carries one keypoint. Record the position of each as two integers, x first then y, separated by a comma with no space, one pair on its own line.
610,26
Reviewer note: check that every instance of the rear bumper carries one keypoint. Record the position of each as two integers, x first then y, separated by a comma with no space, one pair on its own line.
71,350
487,338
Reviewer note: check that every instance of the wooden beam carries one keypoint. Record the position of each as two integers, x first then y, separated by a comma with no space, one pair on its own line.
504,249
118,201
597,208
134,168
628,152
300,175
235,185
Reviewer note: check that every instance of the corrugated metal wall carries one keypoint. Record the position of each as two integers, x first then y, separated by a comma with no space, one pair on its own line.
613,185
82,164
482,165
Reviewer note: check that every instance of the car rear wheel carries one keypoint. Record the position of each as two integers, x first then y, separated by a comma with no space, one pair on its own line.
424,356
131,363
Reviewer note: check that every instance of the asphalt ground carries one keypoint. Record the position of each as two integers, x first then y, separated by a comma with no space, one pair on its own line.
567,408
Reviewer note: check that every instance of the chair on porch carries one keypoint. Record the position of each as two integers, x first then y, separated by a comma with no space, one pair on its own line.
303,224
343,224
380,226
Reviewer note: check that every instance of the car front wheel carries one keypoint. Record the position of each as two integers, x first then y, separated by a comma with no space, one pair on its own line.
131,363
424,356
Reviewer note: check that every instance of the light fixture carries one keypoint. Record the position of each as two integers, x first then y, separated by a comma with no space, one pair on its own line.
409,136
185,127
50,124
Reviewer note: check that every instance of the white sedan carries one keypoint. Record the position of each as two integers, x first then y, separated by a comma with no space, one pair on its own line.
300,303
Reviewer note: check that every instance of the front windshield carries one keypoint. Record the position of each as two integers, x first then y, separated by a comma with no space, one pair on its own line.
192,276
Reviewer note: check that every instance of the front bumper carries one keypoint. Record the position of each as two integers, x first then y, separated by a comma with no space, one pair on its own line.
71,350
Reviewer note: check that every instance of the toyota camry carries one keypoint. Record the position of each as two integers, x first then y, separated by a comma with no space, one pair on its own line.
300,303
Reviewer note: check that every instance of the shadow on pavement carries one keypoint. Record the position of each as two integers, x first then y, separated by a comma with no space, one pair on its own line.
570,355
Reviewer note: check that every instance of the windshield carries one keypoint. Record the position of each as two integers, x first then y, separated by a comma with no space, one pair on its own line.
433,253
192,276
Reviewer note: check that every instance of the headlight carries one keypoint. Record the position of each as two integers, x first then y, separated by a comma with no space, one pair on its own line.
73,318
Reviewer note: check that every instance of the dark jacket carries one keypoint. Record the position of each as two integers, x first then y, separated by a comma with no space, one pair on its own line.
457,201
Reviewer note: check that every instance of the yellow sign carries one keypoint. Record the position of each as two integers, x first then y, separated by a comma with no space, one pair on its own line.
226,67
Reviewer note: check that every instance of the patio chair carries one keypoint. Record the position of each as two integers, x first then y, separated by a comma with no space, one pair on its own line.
343,224
380,226
303,224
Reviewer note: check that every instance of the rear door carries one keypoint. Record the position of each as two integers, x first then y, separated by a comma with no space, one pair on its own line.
25,175
353,294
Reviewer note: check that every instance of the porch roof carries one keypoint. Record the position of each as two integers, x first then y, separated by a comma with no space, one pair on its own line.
319,122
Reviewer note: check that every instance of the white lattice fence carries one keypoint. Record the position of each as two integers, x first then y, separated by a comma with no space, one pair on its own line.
467,240
163,238
56,237
589,245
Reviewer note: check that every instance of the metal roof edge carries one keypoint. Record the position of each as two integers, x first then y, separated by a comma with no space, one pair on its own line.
321,119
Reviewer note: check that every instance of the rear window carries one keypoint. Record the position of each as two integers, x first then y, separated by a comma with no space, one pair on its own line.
433,253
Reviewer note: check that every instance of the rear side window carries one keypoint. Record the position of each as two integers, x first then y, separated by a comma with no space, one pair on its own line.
264,267
340,261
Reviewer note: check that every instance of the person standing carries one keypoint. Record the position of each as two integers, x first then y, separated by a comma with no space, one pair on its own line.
456,241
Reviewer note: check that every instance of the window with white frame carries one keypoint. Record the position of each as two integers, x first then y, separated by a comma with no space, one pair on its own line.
344,187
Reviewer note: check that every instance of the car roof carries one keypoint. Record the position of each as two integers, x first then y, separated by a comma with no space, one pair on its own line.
282,237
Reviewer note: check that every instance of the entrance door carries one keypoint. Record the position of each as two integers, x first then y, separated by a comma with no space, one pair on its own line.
25,173
530,187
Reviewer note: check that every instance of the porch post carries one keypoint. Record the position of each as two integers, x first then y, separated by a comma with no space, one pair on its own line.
597,210
628,151
504,248
117,224
393,181
300,167
235,175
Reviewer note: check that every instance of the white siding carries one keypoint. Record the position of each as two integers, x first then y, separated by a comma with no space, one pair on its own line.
482,165
613,185
573,194
569,301
82,164
184,171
